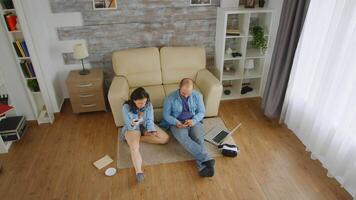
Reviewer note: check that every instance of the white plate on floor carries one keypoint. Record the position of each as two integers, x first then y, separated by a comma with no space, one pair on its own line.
110,171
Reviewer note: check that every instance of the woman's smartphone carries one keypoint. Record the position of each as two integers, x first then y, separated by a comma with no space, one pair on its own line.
136,121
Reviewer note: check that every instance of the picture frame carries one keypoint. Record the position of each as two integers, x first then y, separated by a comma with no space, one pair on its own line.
200,2
104,4
250,4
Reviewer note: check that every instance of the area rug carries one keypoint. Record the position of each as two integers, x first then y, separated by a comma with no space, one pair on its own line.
153,154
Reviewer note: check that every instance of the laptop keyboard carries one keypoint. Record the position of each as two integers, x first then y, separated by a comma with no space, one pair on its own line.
219,137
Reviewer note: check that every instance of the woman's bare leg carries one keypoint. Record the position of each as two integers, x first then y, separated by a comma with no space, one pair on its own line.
133,139
160,138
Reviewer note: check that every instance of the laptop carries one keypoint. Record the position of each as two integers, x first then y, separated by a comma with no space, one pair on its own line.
217,135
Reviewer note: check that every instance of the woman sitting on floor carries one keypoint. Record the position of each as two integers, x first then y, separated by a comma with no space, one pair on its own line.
139,126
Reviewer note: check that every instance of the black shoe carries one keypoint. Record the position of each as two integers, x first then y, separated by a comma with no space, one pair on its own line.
209,163
246,89
206,172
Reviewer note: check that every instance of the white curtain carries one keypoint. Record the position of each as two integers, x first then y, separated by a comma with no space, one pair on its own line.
320,105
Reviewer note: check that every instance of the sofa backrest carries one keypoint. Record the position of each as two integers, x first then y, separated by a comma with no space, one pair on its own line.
181,62
141,67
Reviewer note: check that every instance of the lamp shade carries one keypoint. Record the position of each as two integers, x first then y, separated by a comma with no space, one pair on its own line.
80,51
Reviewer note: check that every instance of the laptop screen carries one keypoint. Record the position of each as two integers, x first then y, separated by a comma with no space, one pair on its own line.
219,137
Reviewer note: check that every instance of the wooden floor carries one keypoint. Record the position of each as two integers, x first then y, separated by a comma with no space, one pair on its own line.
55,162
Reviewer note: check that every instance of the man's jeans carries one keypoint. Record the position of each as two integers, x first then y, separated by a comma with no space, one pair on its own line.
192,139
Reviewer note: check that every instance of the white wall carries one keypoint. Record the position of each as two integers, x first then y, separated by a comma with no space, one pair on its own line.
11,77
3,89
43,24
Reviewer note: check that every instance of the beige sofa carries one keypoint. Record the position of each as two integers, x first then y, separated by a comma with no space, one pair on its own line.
159,72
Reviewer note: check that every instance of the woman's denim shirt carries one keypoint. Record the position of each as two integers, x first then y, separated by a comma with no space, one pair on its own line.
129,115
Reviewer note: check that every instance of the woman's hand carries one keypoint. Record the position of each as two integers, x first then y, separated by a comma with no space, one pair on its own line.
134,122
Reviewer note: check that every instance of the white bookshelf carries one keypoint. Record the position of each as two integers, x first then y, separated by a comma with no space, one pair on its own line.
38,99
242,19
4,146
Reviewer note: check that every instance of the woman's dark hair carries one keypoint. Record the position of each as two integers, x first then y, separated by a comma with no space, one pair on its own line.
138,93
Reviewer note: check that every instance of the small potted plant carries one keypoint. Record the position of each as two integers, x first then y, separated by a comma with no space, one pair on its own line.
259,41
33,85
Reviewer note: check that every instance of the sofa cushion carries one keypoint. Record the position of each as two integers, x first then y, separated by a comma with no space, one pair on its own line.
181,62
158,114
139,66
171,87
156,93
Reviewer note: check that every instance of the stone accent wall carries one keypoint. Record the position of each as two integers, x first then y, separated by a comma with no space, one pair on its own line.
138,23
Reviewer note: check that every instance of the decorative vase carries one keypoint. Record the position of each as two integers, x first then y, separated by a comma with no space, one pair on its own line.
229,52
11,21
227,92
262,52
249,65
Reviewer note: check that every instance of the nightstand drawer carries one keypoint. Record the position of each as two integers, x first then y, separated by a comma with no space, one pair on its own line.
86,97
83,87
86,92
88,107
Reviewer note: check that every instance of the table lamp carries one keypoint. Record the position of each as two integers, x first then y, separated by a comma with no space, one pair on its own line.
80,52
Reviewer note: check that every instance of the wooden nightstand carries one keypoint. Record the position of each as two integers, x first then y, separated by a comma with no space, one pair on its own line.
86,91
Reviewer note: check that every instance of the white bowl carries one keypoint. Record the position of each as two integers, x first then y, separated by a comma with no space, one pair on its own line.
110,171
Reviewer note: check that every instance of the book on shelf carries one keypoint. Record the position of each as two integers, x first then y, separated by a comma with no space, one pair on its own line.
18,44
16,49
233,32
11,21
21,48
27,69
24,47
30,66
227,84
7,4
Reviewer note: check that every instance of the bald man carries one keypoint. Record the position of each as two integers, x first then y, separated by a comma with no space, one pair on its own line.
183,112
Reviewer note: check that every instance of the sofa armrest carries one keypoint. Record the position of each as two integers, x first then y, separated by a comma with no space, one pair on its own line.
118,94
211,89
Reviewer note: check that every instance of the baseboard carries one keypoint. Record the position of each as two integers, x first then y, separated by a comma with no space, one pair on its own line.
60,107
